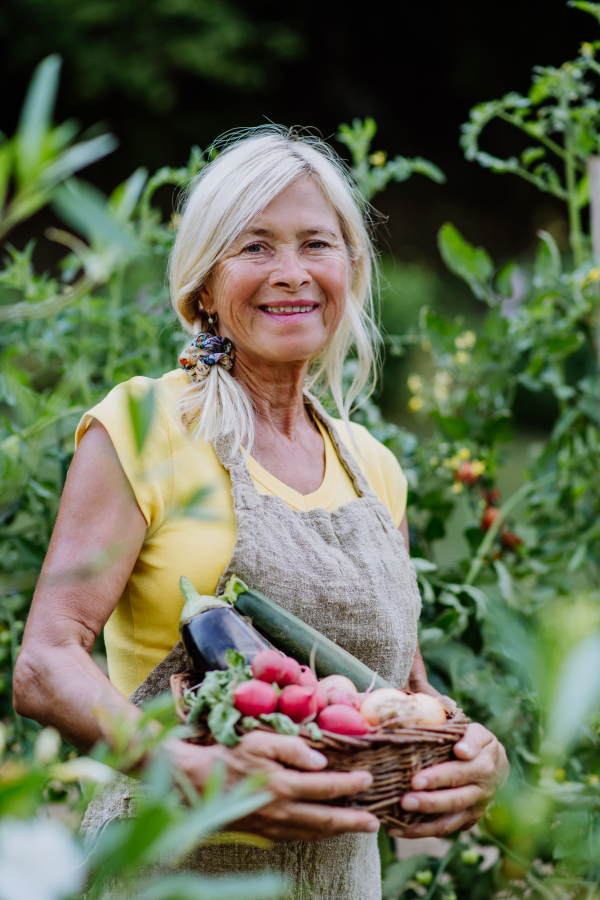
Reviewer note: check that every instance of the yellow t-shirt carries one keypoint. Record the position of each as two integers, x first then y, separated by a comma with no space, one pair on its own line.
197,540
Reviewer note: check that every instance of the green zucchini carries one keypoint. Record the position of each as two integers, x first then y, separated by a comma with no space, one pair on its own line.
295,638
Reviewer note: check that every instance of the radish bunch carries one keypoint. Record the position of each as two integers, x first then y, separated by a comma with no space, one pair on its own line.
281,684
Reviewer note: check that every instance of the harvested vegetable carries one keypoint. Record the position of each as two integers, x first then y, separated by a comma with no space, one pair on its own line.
342,720
410,709
255,698
388,703
298,702
345,698
292,672
429,710
210,626
322,699
307,678
337,683
294,637
269,665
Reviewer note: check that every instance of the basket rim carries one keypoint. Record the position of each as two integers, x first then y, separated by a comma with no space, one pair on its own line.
450,732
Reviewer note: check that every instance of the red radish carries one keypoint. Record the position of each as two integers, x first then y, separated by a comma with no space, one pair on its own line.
342,720
322,699
292,672
345,698
307,679
268,665
337,683
255,698
297,702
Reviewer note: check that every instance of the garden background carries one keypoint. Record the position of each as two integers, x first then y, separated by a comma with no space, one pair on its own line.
489,392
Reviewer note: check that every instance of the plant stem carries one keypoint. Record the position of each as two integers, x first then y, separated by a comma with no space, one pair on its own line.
114,343
441,869
575,233
542,138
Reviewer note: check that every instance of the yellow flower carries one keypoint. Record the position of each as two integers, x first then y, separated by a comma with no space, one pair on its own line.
477,468
426,346
378,158
456,487
452,463
434,461
560,775
415,384
415,403
587,49
464,453
466,340
462,357
592,276
441,383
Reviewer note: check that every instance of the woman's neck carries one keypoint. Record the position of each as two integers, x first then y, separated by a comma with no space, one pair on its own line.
276,393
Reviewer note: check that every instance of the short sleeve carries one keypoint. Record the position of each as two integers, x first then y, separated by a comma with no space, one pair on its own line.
395,483
150,470
379,466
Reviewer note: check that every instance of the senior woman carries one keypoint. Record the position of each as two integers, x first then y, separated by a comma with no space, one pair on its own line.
271,272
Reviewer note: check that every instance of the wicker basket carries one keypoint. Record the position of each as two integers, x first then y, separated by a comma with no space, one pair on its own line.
392,757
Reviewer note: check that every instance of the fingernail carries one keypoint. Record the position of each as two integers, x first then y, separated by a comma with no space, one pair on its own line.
373,826
317,759
419,782
465,748
367,782
410,803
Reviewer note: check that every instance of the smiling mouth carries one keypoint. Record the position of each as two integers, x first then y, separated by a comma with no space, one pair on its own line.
288,310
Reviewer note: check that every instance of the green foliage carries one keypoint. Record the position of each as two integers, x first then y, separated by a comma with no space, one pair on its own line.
163,833
373,171
509,628
140,50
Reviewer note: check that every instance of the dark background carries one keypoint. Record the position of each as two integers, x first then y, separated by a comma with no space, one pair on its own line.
165,74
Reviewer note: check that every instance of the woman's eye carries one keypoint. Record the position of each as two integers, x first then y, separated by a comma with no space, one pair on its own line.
253,248
317,245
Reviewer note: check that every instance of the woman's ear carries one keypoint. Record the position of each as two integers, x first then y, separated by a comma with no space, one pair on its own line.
206,298
351,268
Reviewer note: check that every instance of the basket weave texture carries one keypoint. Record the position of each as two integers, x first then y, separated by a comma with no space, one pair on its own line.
392,757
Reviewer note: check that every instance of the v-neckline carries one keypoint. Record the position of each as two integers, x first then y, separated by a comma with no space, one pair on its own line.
323,495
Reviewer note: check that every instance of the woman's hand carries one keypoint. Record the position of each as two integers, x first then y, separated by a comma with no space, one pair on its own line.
299,811
457,791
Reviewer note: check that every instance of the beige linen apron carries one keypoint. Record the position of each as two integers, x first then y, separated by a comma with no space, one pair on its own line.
347,573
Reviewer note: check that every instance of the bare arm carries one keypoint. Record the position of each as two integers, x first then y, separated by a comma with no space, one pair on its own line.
57,683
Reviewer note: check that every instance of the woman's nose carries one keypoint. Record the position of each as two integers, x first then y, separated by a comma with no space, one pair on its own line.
289,271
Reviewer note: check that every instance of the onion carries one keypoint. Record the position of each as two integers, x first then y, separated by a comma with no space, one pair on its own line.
388,703
429,710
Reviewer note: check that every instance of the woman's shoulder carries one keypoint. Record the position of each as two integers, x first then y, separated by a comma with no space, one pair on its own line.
144,397
378,464
357,437
164,390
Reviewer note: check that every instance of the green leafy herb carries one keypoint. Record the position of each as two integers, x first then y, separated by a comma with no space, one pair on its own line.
282,724
222,720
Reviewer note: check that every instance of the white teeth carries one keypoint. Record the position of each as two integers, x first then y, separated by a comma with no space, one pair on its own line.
287,309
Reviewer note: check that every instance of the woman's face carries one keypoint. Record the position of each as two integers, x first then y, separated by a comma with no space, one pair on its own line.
280,290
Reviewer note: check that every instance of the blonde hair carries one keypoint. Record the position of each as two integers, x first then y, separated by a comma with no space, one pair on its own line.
251,170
